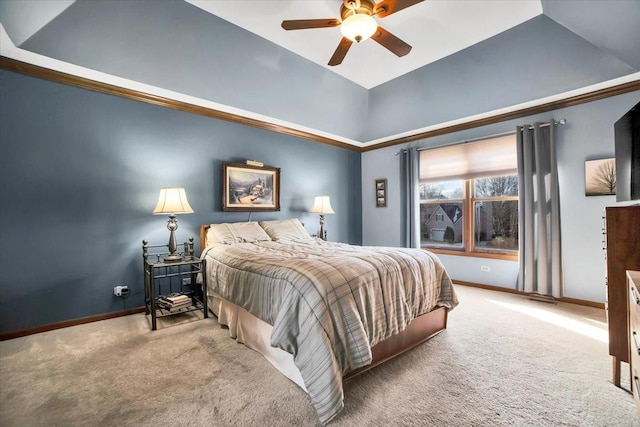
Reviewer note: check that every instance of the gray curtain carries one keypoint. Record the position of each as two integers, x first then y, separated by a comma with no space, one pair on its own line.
539,203
410,159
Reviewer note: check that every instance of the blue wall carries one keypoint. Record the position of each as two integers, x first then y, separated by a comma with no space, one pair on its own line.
588,134
199,54
80,174
525,63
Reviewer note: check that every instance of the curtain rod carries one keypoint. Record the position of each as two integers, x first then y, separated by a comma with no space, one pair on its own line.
559,122
465,141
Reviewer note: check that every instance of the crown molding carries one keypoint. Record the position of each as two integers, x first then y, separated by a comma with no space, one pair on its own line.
515,114
111,89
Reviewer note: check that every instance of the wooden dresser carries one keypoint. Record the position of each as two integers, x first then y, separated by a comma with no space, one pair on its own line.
633,281
623,253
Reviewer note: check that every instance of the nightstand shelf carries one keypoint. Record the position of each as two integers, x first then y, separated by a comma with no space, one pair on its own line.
163,279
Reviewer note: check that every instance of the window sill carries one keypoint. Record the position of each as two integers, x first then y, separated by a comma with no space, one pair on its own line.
475,254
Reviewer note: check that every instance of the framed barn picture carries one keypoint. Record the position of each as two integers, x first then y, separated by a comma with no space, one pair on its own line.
248,188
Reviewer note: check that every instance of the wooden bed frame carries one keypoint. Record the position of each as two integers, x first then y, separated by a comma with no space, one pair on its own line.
421,329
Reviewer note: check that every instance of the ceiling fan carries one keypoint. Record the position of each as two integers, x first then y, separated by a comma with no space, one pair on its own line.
358,24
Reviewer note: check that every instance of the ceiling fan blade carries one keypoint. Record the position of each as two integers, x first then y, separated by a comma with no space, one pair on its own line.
387,7
303,24
341,51
391,42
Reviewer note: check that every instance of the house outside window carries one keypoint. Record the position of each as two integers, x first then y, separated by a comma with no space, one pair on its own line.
469,199
441,214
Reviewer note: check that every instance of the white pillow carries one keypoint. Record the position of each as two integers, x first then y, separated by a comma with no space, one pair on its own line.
211,237
238,232
288,230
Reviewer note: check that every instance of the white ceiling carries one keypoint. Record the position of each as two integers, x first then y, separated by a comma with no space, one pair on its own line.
434,28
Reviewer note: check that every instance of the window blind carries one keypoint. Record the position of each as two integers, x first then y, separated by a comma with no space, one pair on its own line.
488,157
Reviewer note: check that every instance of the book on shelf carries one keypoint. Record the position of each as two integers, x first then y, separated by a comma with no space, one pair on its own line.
170,303
173,302
172,308
174,297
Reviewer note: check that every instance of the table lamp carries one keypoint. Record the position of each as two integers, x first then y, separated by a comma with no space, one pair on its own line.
322,206
172,201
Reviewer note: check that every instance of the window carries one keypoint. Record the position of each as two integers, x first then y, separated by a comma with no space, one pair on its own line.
495,213
441,214
469,198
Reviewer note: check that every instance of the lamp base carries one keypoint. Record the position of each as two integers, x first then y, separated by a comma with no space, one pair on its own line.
173,258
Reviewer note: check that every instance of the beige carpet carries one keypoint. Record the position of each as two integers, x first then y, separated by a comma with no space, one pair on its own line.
503,361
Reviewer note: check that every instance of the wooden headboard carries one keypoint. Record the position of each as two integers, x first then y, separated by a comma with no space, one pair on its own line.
203,236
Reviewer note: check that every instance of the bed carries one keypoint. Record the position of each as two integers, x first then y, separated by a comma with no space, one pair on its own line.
321,312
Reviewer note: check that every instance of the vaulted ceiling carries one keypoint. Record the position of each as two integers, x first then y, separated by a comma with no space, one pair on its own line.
435,29
469,58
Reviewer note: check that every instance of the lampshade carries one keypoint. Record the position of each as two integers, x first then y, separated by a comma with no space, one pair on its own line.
358,27
172,200
322,205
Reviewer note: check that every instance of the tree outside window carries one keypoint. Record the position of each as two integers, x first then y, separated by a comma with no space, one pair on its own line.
496,213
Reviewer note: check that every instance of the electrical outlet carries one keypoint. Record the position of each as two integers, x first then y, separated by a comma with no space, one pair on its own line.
121,290
485,268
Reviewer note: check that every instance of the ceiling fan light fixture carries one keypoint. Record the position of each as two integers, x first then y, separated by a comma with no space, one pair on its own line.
359,27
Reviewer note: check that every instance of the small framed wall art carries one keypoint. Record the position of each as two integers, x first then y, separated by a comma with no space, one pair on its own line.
600,177
248,188
381,193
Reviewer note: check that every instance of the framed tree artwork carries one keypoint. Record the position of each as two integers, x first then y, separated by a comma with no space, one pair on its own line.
249,188
600,177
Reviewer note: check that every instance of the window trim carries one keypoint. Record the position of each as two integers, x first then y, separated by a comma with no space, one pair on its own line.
474,254
468,215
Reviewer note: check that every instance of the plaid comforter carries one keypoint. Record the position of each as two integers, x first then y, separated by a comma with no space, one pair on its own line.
329,303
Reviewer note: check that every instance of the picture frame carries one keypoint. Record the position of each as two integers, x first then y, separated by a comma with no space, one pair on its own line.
381,193
600,177
249,188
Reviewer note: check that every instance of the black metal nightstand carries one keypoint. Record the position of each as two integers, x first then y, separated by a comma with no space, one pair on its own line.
174,281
